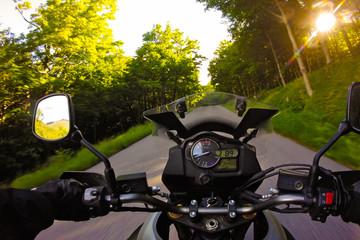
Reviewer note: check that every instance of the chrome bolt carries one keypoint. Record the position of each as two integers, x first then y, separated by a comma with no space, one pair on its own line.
155,189
193,202
212,224
274,191
232,214
299,185
192,214
232,202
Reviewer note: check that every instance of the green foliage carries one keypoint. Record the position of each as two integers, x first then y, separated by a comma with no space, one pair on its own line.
18,149
261,53
72,33
313,121
228,72
70,48
166,66
53,131
69,161
250,61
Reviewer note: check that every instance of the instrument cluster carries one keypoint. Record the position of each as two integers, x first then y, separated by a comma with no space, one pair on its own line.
208,162
210,153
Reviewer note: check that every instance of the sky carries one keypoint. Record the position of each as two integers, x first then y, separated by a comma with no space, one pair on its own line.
54,109
136,17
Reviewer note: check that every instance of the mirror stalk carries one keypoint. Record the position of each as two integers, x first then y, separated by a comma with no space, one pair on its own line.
108,172
344,129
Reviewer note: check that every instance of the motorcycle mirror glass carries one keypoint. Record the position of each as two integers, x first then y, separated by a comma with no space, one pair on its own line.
53,117
353,107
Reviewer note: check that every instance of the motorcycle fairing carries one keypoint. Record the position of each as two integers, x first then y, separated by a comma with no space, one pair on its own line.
252,119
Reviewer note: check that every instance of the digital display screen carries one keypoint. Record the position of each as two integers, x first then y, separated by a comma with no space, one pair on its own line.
227,164
227,153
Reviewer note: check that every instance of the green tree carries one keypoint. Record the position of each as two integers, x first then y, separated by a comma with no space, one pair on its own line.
18,149
246,15
227,70
166,67
258,28
257,55
69,48
70,36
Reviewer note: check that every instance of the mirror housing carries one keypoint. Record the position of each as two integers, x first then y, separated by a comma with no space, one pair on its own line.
53,118
350,123
353,107
181,108
240,106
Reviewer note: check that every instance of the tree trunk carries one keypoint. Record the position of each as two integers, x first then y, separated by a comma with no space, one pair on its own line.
347,40
95,123
335,47
308,61
295,48
324,47
277,62
175,87
163,92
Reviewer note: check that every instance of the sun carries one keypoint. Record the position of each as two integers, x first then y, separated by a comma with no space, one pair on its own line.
325,22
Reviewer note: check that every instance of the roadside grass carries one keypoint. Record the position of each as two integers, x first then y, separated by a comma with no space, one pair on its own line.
66,160
312,121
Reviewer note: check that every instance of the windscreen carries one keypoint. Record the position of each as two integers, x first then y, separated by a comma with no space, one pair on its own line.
223,113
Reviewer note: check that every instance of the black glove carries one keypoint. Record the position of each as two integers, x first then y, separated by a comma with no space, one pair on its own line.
24,213
351,212
66,196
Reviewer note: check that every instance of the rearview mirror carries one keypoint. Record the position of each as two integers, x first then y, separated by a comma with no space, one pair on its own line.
353,107
53,117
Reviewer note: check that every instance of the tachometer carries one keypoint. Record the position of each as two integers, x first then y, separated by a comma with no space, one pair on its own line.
203,153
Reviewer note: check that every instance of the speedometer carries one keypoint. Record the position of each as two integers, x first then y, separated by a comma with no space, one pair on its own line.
203,153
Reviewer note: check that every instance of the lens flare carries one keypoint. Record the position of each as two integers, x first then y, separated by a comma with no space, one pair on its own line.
346,16
292,59
325,22
322,4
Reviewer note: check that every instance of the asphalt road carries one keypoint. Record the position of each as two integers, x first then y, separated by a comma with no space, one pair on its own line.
143,156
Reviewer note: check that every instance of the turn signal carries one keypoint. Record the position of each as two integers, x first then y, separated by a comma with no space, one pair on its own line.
250,215
175,215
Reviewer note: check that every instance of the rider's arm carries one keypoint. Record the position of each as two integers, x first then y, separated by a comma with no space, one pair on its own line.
66,196
24,213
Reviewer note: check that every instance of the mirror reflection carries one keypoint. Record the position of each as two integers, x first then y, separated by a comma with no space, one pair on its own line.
52,119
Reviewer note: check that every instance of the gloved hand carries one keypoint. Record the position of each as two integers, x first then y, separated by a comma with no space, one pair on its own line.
66,196
351,212
24,213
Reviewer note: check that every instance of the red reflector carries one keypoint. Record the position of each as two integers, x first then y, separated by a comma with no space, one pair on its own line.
329,198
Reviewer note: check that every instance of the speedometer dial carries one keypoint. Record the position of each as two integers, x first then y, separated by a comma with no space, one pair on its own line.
203,153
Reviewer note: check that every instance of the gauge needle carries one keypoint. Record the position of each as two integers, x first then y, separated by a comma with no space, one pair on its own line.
201,154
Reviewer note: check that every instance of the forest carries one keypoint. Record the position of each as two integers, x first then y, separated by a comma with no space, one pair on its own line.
276,41
70,48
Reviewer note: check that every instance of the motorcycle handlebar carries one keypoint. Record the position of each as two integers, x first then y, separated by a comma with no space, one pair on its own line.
270,203
319,205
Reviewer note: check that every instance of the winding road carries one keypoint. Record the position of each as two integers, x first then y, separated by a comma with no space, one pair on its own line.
144,156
